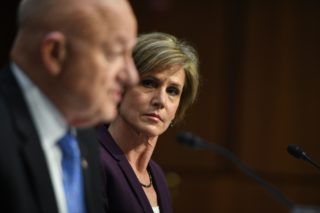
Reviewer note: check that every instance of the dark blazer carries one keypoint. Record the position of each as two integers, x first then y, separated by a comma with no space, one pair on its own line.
123,190
25,184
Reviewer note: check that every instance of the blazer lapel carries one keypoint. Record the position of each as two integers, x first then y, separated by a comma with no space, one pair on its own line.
161,189
90,169
109,144
32,152
39,177
135,185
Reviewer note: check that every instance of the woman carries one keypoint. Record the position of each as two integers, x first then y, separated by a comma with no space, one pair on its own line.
168,70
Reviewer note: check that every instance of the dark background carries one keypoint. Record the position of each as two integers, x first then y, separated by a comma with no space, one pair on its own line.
260,92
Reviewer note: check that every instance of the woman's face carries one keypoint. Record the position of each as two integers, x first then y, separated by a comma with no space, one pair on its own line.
150,106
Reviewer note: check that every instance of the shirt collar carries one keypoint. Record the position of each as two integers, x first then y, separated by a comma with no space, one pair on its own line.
49,122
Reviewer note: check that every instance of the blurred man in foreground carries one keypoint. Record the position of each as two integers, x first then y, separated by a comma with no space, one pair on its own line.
70,62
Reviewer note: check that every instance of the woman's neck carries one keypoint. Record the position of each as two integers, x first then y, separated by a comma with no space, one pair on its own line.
137,146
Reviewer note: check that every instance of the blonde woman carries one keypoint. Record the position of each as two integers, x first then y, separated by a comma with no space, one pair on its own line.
168,70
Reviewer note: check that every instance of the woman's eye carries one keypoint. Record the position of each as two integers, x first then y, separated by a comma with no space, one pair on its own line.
173,91
148,83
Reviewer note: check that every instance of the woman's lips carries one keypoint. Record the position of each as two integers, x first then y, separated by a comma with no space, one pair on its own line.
154,116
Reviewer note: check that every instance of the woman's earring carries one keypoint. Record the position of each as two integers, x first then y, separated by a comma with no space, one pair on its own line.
171,124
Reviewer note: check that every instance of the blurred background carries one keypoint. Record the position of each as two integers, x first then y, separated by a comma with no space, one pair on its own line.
260,92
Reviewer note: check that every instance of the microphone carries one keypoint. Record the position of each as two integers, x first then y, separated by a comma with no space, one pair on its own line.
297,152
188,139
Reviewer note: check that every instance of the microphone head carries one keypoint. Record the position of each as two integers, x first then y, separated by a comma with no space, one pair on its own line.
296,151
188,139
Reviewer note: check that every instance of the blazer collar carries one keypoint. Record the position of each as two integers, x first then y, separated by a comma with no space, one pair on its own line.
161,187
108,143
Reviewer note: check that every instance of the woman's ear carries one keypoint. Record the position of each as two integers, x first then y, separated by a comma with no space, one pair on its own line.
53,52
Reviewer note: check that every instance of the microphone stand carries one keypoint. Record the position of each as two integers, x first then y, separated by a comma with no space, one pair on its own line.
196,142
249,172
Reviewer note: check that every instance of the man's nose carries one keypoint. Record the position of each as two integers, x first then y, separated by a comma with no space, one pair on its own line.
131,73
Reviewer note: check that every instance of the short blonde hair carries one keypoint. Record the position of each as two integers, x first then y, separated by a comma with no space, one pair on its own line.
157,51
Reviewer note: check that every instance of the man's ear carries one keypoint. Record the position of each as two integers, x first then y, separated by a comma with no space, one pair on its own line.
53,52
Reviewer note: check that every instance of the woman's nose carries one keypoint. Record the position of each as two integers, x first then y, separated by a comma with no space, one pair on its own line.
158,99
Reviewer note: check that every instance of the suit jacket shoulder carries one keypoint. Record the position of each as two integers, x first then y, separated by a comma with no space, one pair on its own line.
25,181
24,176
